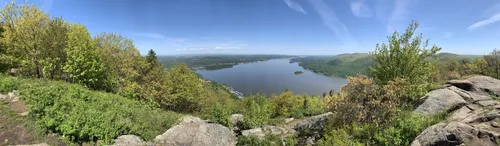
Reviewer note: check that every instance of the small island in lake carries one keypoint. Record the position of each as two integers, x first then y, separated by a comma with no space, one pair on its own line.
298,72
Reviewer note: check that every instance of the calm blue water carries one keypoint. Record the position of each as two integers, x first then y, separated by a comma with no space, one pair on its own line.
273,76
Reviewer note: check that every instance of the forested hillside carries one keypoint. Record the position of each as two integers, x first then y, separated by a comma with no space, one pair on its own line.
344,65
214,62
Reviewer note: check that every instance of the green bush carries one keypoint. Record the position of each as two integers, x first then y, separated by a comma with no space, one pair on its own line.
313,106
338,138
256,110
7,84
270,140
219,114
402,129
405,128
81,115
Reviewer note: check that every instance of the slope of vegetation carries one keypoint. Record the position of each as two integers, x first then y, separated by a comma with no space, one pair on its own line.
344,65
214,62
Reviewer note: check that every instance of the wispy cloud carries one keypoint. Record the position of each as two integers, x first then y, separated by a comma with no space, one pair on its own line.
332,21
398,16
295,6
448,35
360,9
150,35
482,23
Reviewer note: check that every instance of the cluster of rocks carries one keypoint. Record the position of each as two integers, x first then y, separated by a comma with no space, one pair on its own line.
196,132
190,131
474,110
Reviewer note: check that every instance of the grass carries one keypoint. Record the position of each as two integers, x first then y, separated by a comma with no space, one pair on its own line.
79,115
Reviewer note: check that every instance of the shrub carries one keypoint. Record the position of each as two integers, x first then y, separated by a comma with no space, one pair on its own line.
81,115
313,106
7,84
286,104
401,129
256,110
361,101
184,90
405,57
405,127
338,138
269,140
219,114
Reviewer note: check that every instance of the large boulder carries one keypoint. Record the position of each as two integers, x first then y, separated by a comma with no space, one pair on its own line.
193,131
486,84
311,129
455,133
440,100
473,122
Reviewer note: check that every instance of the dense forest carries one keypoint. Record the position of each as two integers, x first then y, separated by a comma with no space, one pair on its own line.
214,62
85,89
344,65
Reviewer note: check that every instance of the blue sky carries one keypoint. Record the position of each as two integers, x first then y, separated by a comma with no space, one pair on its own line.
299,27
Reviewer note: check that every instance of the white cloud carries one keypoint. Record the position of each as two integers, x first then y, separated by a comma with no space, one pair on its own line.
398,15
332,21
482,23
360,9
448,35
150,35
295,6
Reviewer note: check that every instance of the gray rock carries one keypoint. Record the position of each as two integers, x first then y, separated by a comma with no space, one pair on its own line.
196,132
256,132
454,133
465,95
462,84
128,140
488,102
486,84
311,129
440,100
13,96
237,118
3,96
460,114
288,120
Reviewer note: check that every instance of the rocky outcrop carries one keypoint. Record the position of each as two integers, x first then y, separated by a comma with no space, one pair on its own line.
474,114
196,132
435,103
311,129
191,131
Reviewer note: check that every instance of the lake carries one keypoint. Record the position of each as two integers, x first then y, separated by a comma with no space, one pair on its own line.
273,76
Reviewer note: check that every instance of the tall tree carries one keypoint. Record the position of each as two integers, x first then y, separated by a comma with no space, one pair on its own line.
55,43
184,90
83,64
25,31
404,57
480,66
122,62
404,61
493,60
